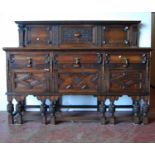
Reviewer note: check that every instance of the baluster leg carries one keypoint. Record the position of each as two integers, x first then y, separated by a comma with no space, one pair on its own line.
136,111
145,111
10,109
52,109
103,112
19,112
43,110
112,111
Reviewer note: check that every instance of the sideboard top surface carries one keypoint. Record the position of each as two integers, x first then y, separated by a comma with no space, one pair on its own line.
72,22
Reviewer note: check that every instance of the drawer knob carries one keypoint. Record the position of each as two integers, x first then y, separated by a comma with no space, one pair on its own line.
125,59
29,62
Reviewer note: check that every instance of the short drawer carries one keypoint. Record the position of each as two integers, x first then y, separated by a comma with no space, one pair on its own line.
78,60
29,61
77,35
126,59
38,35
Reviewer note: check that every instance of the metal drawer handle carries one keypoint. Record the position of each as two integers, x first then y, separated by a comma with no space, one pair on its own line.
46,69
77,63
37,38
126,61
29,62
68,86
84,87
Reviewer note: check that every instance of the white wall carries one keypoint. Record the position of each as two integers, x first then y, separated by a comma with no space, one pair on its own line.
55,11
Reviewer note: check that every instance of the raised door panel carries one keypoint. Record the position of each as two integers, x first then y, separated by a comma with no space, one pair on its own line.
78,36
30,82
126,82
79,81
116,36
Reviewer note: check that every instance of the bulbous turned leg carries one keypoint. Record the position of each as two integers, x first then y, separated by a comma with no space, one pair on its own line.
10,109
103,111
145,111
43,110
24,105
52,109
136,111
112,111
19,113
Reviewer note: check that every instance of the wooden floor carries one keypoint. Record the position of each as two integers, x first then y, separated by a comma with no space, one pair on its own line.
79,127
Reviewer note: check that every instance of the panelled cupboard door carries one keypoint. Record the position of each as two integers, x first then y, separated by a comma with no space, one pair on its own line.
30,81
38,36
77,36
126,81
119,36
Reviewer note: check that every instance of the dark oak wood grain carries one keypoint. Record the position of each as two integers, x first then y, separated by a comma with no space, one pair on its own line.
99,58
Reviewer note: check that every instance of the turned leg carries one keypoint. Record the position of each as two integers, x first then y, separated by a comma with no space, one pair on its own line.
24,105
52,109
136,111
10,109
112,111
103,111
145,111
43,110
19,112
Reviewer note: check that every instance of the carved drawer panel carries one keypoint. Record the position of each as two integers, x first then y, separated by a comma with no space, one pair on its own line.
77,60
119,36
78,35
38,35
121,81
29,61
35,82
78,81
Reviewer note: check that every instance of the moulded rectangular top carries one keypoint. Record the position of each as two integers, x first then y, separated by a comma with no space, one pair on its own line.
72,22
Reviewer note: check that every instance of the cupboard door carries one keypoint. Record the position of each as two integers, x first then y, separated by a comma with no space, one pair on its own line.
127,81
38,36
78,36
30,81
81,82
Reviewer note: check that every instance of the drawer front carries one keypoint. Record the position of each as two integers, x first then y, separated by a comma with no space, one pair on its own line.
78,60
29,61
77,35
131,81
30,81
119,36
38,35
78,81
124,59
